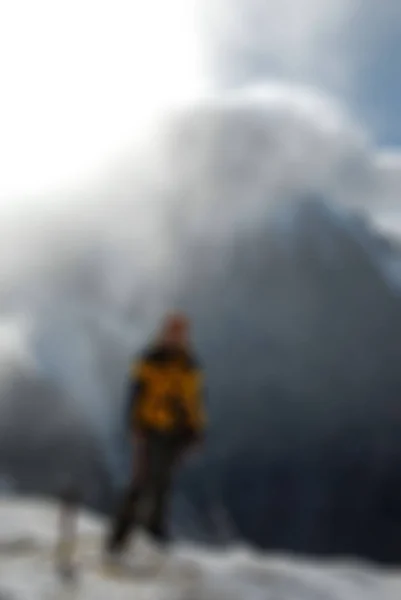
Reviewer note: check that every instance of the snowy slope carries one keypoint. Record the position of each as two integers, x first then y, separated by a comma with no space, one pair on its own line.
28,531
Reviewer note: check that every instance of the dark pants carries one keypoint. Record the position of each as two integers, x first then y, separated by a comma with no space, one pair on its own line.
146,501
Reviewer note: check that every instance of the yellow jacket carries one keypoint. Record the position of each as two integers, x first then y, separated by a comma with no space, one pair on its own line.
166,392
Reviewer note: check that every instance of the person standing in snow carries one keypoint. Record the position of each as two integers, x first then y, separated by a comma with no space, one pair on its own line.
167,418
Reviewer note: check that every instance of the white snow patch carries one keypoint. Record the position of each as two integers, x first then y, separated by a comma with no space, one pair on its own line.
28,531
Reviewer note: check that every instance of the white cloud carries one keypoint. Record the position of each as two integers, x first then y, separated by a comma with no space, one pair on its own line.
215,167
388,213
296,40
389,164
14,345
284,32
80,79
235,156
343,46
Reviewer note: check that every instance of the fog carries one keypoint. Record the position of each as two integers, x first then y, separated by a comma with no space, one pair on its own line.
242,212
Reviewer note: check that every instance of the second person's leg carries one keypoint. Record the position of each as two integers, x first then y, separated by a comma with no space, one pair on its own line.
125,519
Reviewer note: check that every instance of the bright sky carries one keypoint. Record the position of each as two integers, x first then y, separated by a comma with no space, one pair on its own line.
79,77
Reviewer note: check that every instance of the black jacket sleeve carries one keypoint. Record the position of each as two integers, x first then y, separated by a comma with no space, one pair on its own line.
136,387
134,392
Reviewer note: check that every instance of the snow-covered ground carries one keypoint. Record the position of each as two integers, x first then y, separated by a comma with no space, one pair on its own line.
28,532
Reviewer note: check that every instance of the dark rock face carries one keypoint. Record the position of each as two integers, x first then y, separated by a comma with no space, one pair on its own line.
301,337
